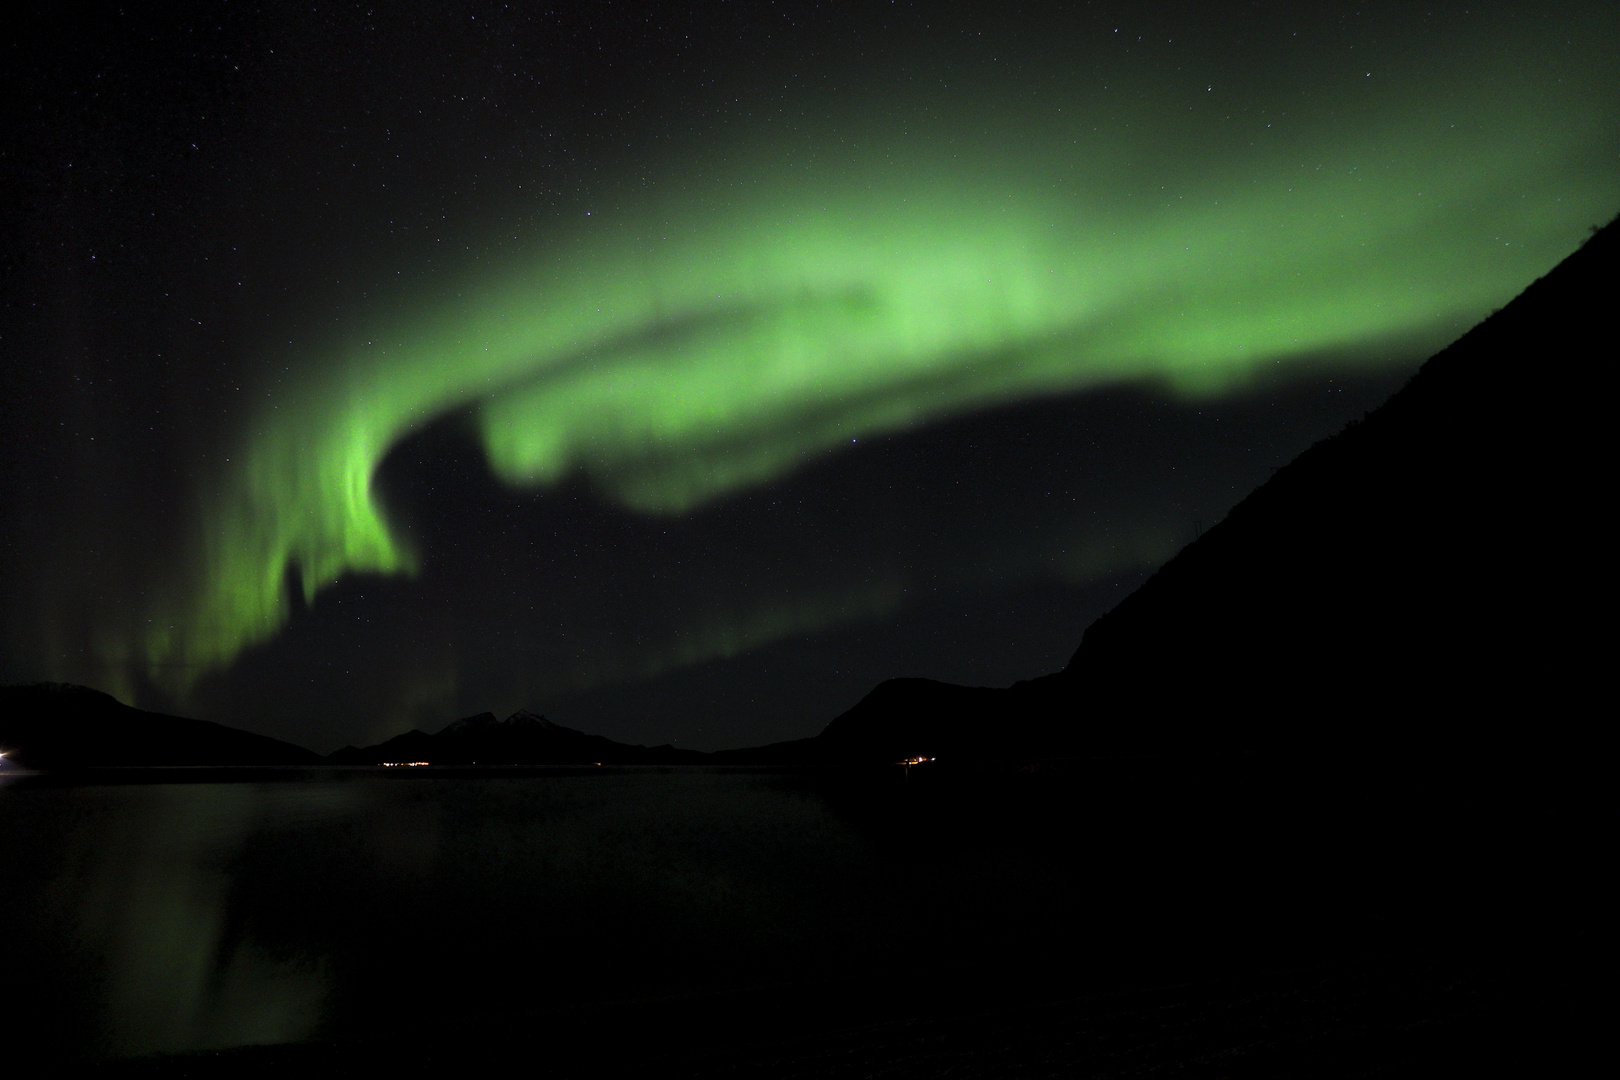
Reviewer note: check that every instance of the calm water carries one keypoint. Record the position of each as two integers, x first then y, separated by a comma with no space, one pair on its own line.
173,917
155,918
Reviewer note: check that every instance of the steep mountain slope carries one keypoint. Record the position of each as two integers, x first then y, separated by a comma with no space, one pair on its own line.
1405,584
1426,581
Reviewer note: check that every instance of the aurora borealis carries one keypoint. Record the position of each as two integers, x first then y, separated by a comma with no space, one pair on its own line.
662,288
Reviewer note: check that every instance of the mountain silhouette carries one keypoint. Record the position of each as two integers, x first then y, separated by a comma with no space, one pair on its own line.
1421,583
521,739
61,726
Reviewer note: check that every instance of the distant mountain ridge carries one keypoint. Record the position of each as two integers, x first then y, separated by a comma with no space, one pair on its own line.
524,738
63,727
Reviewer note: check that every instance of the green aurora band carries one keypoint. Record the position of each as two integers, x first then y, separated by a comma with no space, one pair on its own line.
735,317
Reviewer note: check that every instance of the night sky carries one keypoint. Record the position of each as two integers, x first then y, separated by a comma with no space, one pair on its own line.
682,371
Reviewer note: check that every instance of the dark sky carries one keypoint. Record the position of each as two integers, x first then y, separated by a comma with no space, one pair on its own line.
682,371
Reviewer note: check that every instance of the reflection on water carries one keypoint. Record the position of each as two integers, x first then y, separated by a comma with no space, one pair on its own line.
184,916
172,917
122,898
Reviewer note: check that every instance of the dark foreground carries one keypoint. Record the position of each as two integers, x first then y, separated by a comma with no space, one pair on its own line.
1105,918
1376,1019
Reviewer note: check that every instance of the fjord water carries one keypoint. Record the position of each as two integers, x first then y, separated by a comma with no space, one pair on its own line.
174,917
163,918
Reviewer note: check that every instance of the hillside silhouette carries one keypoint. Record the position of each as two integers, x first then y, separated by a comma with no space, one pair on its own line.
61,726
1420,583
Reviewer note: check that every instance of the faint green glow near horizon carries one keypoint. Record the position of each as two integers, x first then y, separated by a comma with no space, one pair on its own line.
716,334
